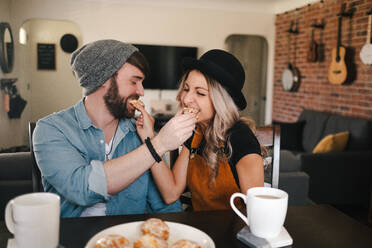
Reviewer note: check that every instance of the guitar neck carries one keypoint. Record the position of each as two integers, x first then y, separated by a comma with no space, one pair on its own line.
339,36
369,29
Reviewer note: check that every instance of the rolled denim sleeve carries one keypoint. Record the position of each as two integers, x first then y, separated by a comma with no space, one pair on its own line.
65,168
97,179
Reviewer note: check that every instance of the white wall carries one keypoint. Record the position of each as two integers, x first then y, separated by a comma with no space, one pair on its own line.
12,131
51,90
149,24
291,4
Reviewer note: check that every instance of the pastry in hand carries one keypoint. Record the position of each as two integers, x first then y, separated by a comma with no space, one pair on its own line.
190,110
150,241
184,243
155,227
135,103
112,241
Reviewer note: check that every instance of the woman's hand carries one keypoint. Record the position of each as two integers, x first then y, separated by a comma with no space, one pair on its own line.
144,124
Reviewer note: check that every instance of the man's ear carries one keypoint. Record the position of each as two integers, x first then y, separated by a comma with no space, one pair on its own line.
102,90
106,85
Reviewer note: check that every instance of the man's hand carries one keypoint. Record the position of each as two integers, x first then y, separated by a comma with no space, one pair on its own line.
144,124
176,131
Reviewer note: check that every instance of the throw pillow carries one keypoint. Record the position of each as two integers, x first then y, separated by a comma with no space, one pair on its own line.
291,135
332,143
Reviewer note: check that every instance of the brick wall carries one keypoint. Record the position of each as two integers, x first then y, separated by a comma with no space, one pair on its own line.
315,92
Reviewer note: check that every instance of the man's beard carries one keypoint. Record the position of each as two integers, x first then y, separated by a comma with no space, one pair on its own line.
116,104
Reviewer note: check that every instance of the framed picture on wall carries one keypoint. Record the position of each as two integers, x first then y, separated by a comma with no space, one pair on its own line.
46,56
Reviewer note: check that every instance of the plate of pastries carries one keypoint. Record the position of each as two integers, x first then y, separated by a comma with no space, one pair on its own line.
152,233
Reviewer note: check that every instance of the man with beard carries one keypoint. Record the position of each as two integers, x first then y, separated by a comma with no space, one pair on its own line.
94,155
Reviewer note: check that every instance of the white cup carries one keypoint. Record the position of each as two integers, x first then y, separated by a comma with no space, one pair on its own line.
34,220
266,210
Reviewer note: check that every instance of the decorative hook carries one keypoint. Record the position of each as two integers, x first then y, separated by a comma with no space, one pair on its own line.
7,82
320,25
349,13
290,30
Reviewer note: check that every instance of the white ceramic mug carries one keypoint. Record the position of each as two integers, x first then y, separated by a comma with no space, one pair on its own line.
34,219
266,210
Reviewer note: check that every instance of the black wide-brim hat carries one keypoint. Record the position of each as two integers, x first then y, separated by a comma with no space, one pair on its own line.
223,67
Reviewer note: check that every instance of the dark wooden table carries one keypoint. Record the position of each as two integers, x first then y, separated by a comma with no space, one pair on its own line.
313,226
370,209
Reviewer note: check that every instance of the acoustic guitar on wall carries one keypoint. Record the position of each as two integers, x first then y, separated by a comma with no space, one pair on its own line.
312,54
337,72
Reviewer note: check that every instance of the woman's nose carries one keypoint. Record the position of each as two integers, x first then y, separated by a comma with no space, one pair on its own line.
188,98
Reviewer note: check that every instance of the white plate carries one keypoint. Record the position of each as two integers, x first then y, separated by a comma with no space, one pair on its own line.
132,231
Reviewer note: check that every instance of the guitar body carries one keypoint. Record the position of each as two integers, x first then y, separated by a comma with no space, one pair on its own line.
313,52
321,52
337,72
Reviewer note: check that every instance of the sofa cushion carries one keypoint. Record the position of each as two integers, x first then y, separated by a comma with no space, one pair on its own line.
289,161
332,143
296,184
360,131
313,129
291,135
15,166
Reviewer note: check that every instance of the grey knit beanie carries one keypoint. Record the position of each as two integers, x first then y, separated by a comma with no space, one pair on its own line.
94,63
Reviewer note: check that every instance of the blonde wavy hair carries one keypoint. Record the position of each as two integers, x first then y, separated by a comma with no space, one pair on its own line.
216,131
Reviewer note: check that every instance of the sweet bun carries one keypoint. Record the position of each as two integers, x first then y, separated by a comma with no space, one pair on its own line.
112,241
155,227
135,103
149,241
190,110
184,243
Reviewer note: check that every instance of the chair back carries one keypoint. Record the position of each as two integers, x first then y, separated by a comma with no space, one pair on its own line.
269,137
37,185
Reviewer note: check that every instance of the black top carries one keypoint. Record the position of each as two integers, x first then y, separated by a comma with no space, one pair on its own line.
243,142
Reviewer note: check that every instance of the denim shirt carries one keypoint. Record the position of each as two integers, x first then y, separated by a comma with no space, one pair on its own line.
70,151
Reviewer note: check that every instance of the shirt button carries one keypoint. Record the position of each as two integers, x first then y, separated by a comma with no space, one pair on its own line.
101,141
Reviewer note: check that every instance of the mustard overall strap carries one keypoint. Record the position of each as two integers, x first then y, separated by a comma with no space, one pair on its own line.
206,194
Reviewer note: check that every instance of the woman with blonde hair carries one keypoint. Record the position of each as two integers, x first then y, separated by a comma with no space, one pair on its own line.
223,156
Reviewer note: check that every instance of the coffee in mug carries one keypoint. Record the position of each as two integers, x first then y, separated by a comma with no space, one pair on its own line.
34,220
266,210
267,196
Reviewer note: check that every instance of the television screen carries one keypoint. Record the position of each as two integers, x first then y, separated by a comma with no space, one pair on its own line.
165,64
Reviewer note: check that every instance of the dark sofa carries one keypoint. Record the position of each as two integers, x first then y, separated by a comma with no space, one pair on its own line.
15,177
296,183
341,178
